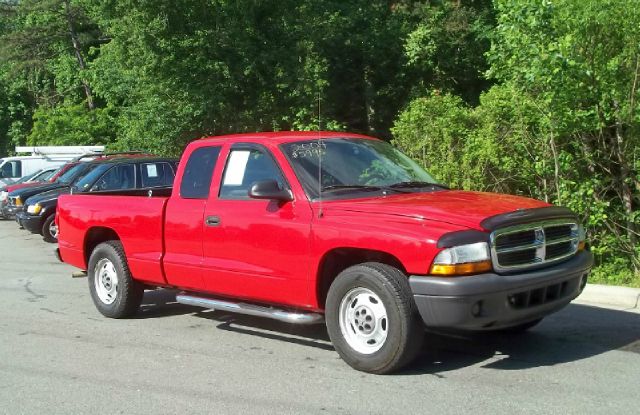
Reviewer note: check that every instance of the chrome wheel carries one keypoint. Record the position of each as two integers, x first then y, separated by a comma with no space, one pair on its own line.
363,320
53,229
106,281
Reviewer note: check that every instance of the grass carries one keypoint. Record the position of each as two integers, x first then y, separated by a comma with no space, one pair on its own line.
609,275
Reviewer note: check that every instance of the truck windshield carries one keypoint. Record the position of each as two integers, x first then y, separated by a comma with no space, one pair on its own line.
353,166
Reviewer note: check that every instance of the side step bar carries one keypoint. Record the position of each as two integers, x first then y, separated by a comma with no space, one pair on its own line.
251,309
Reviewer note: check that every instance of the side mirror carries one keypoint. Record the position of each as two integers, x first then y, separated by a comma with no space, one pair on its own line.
269,189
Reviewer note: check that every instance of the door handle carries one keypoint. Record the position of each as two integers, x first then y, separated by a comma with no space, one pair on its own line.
212,221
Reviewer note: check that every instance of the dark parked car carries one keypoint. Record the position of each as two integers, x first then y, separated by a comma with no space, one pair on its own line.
17,197
74,170
120,173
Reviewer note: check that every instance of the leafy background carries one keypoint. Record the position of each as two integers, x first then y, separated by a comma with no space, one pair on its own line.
531,97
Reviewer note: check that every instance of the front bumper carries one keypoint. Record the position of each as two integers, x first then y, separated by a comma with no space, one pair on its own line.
9,211
491,301
30,222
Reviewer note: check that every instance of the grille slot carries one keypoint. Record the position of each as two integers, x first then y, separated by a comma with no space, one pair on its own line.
533,245
538,296
558,232
515,239
517,257
559,250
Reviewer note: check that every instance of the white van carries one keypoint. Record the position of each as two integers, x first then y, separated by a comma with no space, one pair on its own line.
13,168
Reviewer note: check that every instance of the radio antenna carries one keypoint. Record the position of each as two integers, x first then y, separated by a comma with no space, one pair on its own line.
320,213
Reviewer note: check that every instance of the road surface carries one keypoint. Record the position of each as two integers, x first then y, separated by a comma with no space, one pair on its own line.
60,356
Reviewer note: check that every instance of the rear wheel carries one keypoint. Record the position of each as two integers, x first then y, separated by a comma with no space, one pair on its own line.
50,229
113,290
372,320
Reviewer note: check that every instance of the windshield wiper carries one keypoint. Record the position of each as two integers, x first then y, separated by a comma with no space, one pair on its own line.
401,185
362,187
350,186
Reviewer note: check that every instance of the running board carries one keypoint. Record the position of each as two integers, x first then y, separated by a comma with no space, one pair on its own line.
251,309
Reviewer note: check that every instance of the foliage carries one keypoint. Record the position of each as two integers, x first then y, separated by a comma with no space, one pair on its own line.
71,124
561,124
530,97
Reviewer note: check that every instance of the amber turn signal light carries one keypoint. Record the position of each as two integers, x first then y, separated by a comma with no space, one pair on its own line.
452,270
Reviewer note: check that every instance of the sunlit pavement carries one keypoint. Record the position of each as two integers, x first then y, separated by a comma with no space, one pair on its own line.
60,356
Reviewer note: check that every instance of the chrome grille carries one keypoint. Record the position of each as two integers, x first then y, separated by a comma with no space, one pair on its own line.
533,245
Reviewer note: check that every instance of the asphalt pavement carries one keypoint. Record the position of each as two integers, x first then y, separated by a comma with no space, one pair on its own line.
58,355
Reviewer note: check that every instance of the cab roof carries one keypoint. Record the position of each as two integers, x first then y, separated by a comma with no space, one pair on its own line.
279,137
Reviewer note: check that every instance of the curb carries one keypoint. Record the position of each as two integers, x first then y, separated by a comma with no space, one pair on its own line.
628,298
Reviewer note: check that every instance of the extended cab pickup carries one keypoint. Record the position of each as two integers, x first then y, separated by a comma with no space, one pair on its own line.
335,227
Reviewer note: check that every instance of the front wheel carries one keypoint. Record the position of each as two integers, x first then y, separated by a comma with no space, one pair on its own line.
113,290
50,229
372,320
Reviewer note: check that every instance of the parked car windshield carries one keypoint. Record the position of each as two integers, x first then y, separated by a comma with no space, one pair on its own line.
87,181
71,174
45,175
27,178
352,166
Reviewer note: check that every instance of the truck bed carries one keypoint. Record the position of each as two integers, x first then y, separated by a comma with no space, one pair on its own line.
137,220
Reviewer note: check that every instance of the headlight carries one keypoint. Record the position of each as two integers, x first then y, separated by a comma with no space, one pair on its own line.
3,195
34,209
18,201
582,237
462,260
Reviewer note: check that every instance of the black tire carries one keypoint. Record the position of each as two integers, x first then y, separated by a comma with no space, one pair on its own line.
46,230
520,328
128,295
405,330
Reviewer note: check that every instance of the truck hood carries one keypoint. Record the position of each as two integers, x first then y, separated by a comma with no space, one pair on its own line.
27,192
12,187
48,195
456,207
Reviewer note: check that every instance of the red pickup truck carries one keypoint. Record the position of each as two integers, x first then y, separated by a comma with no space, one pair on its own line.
307,227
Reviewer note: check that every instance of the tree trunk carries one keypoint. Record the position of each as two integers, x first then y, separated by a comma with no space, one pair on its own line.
625,189
556,167
77,47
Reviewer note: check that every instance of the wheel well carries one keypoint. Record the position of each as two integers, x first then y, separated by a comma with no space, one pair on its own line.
339,259
96,236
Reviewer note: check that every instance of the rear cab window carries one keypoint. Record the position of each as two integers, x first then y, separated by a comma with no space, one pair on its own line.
197,175
156,174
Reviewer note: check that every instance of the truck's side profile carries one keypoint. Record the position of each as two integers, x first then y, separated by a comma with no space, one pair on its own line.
301,226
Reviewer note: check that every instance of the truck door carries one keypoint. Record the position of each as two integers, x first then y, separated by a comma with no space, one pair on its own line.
184,219
256,249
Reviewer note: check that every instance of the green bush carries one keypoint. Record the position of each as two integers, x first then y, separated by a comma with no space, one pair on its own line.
72,124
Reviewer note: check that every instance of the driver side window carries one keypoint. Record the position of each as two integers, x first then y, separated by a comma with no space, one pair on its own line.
120,177
12,169
244,168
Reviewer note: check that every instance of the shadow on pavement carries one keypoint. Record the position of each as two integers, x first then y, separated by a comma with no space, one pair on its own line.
162,303
577,332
